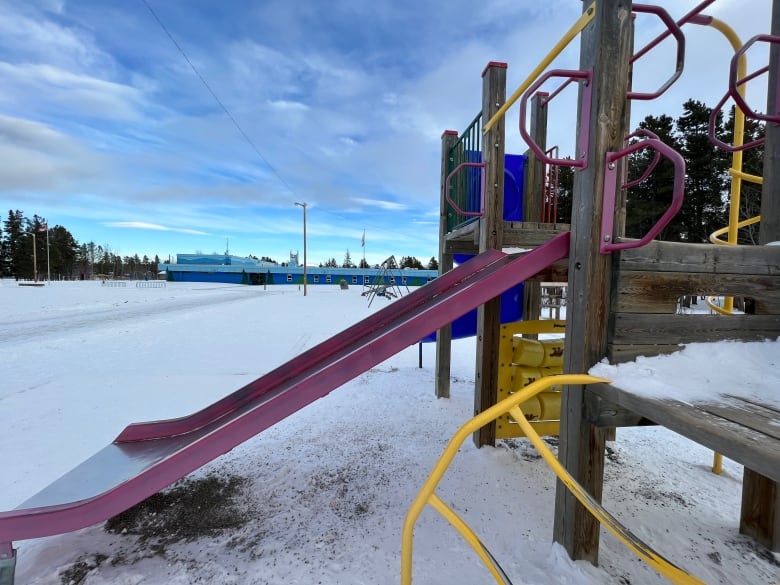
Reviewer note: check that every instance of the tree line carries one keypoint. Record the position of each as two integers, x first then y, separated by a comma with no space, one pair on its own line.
405,262
24,253
705,206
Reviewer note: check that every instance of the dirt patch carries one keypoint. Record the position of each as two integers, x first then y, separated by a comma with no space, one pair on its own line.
189,509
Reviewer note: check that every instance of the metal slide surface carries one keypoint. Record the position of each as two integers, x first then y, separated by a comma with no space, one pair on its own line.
147,457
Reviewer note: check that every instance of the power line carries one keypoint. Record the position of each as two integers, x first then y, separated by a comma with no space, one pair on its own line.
216,98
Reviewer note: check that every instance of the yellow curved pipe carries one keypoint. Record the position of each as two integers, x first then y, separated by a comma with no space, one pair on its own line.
511,405
607,520
714,236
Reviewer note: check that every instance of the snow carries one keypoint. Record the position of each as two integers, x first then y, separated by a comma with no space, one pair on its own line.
327,489
703,372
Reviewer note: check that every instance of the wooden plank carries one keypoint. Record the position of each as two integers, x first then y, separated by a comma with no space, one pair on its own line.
698,258
650,329
523,234
769,228
461,247
761,496
748,414
655,292
491,234
744,445
444,335
618,354
605,49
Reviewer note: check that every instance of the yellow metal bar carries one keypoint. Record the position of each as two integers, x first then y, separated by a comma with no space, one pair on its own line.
468,535
465,431
511,405
641,549
747,176
576,29
739,134
715,236
717,308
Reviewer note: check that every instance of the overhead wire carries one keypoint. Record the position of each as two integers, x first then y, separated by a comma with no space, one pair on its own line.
241,131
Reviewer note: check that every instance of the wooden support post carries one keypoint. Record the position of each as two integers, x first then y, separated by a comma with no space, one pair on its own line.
760,517
444,335
532,199
606,49
491,236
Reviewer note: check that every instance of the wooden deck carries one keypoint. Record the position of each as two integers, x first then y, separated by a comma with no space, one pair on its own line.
742,429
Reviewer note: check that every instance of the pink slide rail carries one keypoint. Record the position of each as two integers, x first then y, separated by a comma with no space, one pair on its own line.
148,457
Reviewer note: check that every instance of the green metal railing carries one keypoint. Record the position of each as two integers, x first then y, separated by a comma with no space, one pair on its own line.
465,186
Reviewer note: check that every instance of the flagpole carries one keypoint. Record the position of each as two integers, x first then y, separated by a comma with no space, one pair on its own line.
363,243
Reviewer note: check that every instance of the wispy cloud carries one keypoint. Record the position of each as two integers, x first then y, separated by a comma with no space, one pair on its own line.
142,225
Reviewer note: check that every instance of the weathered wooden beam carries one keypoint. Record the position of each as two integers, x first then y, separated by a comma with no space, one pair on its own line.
491,232
603,413
444,335
769,228
658,292
698,258
606,50
650,329
760,516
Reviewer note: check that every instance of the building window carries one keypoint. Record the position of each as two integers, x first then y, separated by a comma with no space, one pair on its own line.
392,280
316,278
403,280
354,279
327,278
366,279
289,278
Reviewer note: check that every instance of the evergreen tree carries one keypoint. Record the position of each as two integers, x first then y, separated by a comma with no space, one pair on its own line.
706,177
363,263
347,261
410,262
648,200
433,264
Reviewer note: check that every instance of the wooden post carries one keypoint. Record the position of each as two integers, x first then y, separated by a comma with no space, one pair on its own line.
606,49
760,516
444,335
491,236
532,199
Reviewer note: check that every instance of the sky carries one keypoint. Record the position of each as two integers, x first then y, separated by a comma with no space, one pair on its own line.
324,492
156,127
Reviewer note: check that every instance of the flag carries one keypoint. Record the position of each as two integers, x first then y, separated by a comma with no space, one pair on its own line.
44,227
363,240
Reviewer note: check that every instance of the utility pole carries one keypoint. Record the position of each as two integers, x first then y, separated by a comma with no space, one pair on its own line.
304,244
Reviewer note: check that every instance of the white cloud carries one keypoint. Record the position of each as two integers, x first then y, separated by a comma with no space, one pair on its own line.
142,225
381,204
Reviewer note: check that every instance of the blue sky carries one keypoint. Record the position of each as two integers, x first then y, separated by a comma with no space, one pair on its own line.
106,130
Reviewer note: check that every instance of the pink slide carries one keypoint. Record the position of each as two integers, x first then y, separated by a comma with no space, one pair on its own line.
147,457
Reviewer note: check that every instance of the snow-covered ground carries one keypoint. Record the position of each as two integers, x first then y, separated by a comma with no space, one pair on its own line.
321,497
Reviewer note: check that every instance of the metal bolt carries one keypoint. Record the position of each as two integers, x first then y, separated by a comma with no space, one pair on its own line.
611,166
607,238
582,154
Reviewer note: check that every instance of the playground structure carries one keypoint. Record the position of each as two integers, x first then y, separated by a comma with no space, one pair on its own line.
621,303
622,294
386,282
